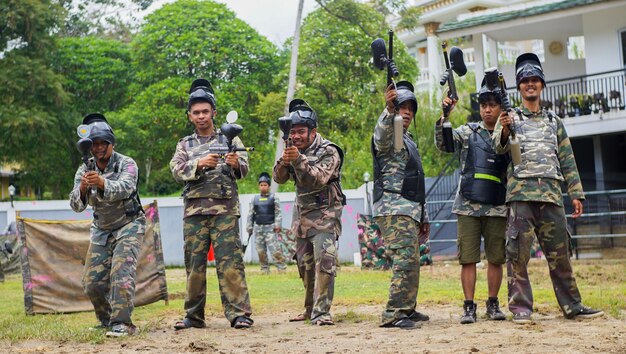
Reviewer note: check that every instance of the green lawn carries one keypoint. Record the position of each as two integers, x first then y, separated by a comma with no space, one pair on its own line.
602,284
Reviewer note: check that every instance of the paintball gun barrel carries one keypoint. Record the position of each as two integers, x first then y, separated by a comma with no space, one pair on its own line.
495,83
454,64
383,61
226,134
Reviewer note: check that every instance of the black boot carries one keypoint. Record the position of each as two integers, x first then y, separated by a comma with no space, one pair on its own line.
493,310
469,312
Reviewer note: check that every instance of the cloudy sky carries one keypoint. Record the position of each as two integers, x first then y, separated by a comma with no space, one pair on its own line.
275,19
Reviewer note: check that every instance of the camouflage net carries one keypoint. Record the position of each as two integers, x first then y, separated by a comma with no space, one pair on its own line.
53,256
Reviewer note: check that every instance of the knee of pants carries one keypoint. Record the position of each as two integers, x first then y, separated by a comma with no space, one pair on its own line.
405,258
512,246
328,260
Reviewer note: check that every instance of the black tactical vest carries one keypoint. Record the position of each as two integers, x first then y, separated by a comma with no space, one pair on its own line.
264,210
413,187
482,178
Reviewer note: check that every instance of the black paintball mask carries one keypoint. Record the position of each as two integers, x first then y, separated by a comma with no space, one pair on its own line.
302,113
265,177
488,94
201,91
406,93
528,65
95,126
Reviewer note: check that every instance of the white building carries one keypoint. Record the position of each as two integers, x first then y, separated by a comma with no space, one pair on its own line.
582,45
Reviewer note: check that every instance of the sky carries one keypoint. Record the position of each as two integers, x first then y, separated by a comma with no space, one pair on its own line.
275,19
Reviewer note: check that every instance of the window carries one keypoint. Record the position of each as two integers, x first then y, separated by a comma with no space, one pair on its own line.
576,48
509,51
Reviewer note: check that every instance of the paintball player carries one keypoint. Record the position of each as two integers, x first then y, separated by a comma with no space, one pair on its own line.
399,205
119,224
479,203
534,196
314,164
264,219
211,214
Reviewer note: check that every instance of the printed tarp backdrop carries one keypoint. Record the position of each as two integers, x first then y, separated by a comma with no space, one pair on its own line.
53,256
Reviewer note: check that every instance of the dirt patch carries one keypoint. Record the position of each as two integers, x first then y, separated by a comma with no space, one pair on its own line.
357,331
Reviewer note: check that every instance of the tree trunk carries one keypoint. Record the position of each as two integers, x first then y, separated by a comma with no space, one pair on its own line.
291,89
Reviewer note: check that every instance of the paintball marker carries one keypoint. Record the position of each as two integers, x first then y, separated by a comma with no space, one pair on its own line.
228,131
84,147
495,83
382,61
454,64
285,127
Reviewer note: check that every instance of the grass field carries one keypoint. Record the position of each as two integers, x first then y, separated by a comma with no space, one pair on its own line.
602,284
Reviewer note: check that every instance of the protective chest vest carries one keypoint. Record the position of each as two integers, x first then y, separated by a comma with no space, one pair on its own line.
307,197
111,215
216,183
538,141
482,178
413,187
264,209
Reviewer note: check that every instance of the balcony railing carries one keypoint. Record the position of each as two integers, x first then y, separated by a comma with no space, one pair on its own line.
582,95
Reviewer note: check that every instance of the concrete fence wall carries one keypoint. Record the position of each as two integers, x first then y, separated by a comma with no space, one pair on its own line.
171,214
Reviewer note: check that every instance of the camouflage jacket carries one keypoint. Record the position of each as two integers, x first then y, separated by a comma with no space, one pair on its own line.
394,165
210,192
278,219
538,189
116,205
462,205
316,174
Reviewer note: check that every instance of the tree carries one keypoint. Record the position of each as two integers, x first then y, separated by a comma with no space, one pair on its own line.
335,76
32,99
149,128
97,73
405,16
170,51
103,18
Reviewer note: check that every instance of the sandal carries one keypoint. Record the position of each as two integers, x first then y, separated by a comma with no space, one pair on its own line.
403,323
242,322
300,317
186,323
323,322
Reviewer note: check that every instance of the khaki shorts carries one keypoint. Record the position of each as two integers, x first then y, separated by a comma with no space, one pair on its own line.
470,229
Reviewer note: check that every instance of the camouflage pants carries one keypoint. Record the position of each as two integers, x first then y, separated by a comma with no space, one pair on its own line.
317,257
547,221
400,235
222,231
109,274
266,242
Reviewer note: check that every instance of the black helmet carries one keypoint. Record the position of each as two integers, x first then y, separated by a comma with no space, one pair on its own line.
265,177
201,91
528,65
485,93
405,93
302,113
95,126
